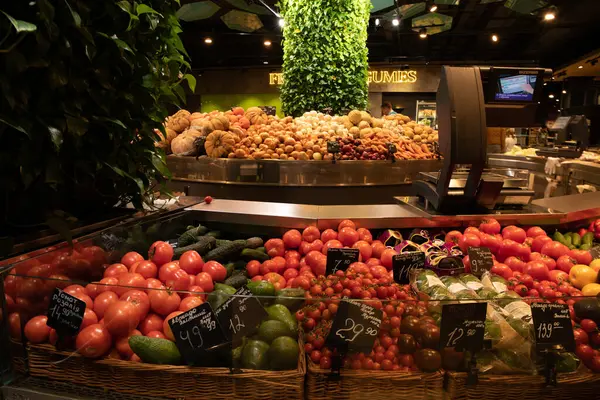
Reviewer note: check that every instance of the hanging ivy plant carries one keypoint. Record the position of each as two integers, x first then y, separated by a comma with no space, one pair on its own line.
84,85
324,55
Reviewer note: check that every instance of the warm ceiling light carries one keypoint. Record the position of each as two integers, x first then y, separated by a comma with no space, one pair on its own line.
494,38
395,22
550,96
208,40
433,8
376,21
580,67
564,92
423,33
265,62
267,43
549,16
545,83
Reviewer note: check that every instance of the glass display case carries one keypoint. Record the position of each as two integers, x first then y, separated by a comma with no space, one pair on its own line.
427,113
208,304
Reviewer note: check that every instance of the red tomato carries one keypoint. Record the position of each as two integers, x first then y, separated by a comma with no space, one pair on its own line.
40,271
588,325
53,281
581,337
346,223
128,281
565,263
179,280
491,242
332,244
503,270
328,234
191,262
387,257
279,264
539,242
365,249
365,234
89,303
453,237
468,240
145,268
317,262
152,283
140,301
292,262
277,280
93,341
103,301
160,253
151,323
537,269
523,252
216,271
253,268
10,285
205,281
131,258
106,285
515,263
378,248
167,328
292,239
89,318
301,282
292,254
115,270
156,334
275,247
515,233
122,344
490,226
507,248
190,302
121,318
554,249
32,288
164,302
36,330
550,263
267,266
585,353
582,256
378,271
535,231
527,280
558,276
73,289
14,322
167,271
290,274
348,236
310,234
473,231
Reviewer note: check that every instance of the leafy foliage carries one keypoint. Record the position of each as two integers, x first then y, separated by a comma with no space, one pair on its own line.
324,55
84,84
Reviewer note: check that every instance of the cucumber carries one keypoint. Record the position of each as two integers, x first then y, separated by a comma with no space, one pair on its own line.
250,254
202,246
261,249
236,280
155,350
254,243
215,234
222,242
191,235
226,252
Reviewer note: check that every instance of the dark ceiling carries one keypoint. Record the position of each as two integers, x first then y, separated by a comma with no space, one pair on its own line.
523,38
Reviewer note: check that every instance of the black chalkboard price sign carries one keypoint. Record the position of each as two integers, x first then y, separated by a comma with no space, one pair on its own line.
403,263
463,326
552,325
65,312
355,327
195,331
340,259
481,260
240,315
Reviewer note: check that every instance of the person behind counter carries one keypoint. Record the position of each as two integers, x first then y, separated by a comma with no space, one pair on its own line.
386,109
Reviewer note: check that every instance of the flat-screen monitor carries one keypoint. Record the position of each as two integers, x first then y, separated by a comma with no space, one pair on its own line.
514,85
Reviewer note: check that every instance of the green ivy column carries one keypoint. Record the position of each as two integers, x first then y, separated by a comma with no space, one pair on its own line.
324,55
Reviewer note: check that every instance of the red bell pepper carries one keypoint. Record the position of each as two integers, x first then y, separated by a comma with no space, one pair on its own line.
595,227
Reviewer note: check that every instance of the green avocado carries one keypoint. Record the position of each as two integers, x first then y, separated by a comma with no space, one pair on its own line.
255,355
272,329
280,312
283,353
155,350
261,288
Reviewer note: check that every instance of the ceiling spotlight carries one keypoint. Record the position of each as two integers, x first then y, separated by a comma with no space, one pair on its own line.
208,40
545,83
433,8
580,67
395,22
267,43
265,62
423,33
549,16
564,92
281,22
376,21
494,38
550,96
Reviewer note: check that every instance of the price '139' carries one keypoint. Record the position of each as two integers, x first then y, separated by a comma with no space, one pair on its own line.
545,331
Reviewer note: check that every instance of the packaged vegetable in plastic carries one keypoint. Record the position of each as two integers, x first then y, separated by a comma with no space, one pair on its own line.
494,282
471,281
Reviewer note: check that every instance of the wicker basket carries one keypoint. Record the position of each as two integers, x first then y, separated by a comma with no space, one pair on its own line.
581,384
373,385
168,381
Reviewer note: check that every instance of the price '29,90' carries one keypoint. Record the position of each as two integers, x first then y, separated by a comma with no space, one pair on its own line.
352,330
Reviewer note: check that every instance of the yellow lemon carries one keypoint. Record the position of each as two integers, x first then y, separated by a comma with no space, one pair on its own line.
581,275
591,289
